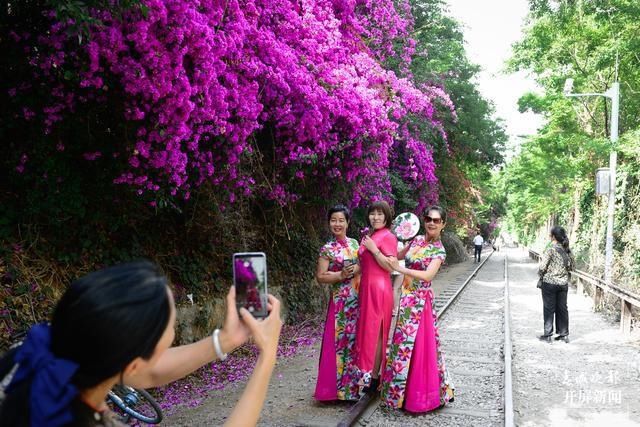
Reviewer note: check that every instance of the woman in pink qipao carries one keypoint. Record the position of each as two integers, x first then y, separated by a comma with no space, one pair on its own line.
377,254
415,377
337,266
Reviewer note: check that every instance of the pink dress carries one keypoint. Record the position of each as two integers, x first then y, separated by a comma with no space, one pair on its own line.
415,377
334,370
376,304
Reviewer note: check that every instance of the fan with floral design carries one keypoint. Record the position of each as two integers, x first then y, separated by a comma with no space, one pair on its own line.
405,226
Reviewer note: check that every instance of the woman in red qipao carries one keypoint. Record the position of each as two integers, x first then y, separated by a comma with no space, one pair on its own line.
377,253
415,377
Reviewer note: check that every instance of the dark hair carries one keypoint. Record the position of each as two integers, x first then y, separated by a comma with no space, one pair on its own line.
385,208
103,321
439,209
339,208
560,235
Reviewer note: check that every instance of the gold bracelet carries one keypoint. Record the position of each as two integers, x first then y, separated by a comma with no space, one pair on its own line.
376,254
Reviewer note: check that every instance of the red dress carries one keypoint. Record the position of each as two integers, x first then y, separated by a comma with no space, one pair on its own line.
376,304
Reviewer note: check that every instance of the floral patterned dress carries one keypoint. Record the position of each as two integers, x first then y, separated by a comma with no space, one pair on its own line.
336,357
415,377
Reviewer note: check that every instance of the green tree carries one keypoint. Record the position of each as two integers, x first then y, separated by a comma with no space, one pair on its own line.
475,140
595,42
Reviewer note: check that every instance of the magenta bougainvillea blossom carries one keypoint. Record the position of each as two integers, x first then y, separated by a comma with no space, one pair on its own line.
200,79
295,340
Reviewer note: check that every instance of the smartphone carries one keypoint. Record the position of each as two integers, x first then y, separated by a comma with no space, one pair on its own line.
348,262
250,280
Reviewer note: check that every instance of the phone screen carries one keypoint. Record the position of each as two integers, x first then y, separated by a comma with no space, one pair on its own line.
250,280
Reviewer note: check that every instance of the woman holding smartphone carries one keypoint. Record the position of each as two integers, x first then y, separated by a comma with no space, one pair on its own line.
338,266
116,326
377,254
415,377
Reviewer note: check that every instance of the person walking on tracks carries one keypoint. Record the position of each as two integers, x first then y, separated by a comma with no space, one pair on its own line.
415,377
338,267
376,253
555,267
116,326
478,241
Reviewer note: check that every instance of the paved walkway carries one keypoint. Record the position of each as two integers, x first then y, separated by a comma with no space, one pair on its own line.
592,381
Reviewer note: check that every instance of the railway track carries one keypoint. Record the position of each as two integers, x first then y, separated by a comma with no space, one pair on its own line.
470,306
473,317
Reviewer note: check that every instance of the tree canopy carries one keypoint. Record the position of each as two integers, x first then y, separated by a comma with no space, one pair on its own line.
552,178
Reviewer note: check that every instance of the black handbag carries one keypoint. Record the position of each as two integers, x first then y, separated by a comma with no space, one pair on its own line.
539,284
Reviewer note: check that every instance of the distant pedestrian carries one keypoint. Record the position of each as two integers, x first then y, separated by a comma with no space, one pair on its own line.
478,241
557,262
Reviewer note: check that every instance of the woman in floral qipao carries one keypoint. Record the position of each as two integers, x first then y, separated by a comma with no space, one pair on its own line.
338,267
415,377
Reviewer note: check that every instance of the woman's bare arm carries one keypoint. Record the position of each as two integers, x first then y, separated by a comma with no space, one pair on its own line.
384,261
178,362
424,275
323,275
266,334
404,250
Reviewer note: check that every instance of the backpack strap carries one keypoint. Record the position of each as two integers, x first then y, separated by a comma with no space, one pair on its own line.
566,260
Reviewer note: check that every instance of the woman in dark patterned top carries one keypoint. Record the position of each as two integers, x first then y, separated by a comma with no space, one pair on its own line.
555,266
115,326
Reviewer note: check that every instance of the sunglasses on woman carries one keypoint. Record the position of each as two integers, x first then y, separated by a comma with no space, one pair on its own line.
428,219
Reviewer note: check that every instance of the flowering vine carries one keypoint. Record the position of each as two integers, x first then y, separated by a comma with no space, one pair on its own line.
200,79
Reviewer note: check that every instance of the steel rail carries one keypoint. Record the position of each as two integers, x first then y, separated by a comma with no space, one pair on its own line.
361,406
464,285
507,351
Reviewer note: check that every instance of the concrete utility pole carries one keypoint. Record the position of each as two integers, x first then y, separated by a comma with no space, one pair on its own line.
614,94
613,158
